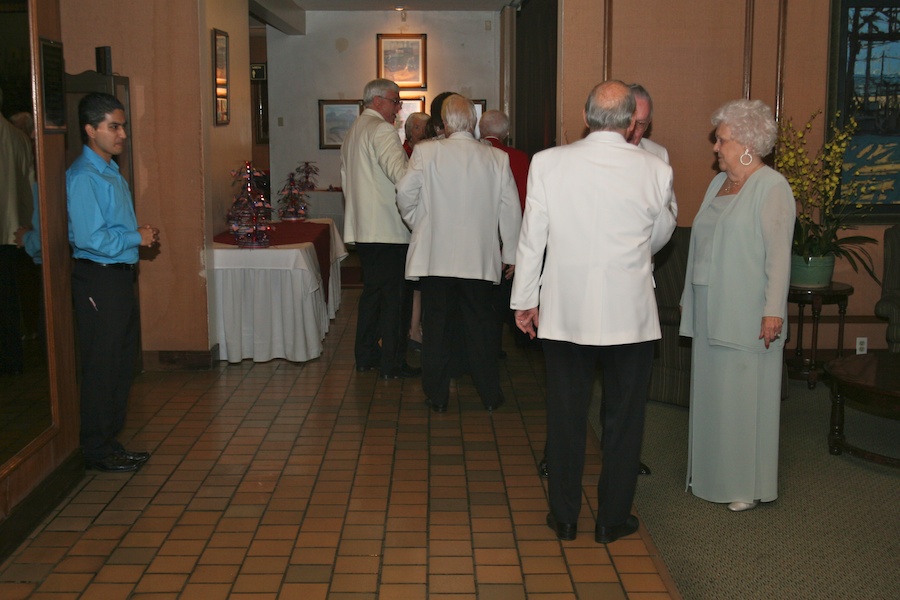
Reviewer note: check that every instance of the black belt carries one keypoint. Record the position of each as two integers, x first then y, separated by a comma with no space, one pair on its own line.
116,266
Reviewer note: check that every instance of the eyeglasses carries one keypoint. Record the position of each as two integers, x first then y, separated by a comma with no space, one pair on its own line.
396,101
643,124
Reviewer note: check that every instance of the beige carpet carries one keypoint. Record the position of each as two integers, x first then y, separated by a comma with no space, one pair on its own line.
834,532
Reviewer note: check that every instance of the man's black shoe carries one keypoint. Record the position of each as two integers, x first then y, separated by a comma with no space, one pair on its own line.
497,403
564,531
138,457
438,408
609,534
543,471
644,470
114,463
404,372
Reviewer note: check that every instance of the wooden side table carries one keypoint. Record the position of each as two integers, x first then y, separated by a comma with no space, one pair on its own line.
801,367
867,382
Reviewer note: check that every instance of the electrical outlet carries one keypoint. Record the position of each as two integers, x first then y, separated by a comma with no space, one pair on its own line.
862,345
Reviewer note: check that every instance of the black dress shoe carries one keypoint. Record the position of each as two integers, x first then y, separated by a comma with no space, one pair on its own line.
404,372
644,470
543,471
438,408
497,403
114,463
564,531
138,457
608,534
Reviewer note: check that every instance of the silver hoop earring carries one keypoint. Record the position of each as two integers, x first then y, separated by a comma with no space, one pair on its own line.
747,154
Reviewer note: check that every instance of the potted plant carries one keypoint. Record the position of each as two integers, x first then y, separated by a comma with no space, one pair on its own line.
824,202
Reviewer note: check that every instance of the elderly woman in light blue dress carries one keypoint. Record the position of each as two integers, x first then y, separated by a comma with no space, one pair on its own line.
734,307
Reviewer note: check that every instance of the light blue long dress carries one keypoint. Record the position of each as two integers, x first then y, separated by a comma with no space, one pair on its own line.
735,381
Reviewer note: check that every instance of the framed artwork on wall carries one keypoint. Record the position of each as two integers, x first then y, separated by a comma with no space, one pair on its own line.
401,58
335,119
220,77
53,75
480,107
865,86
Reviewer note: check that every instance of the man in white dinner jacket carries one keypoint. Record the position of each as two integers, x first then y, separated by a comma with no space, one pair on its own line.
372,162
460,199
600,208
643,118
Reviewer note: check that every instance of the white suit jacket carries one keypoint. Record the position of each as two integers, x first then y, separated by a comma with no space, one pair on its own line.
460,199
660,151
601,208
16,177
372,162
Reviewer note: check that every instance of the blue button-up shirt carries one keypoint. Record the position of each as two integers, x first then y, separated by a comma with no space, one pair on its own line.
102,225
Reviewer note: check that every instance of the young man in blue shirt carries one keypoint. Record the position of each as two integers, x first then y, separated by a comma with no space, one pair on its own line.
105,238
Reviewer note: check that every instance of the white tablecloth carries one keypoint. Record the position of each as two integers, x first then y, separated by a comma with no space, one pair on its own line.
270,303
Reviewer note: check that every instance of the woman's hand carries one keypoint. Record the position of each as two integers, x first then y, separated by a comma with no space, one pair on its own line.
770,329
527,321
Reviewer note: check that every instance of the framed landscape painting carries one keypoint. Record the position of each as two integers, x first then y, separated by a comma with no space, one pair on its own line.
335,119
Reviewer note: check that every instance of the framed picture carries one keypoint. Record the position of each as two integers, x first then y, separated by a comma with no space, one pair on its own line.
865,85
53,74
220,77
335,119
480,107
411,104
401,58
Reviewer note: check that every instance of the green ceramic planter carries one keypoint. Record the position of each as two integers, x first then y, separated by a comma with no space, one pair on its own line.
816,272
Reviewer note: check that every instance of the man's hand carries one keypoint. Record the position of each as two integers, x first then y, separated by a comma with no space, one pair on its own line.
509,271
527,321
149,235
20,236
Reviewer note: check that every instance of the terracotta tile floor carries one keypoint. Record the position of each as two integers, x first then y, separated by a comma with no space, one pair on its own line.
311,481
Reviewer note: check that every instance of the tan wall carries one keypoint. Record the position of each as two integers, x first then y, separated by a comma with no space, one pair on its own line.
182,160
694,63
691,57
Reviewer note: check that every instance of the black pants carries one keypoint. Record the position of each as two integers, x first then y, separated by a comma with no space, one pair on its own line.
106,314
11,354
385,307
571,369
449,306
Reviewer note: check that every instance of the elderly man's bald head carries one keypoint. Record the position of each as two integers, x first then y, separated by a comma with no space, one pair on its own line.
609,107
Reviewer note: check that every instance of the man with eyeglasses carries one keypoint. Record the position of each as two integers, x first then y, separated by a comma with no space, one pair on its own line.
643,118
372,162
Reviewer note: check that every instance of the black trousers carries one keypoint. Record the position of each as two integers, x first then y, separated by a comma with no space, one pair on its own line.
450,306
11,354
385,307
106,314
571,369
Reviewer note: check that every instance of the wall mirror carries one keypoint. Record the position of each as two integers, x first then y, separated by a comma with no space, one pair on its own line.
25,404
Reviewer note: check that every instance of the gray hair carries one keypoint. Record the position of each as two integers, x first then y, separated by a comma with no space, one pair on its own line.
640,91
609,107
494,123
24,121
378,87
411,120
458,114
751,124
